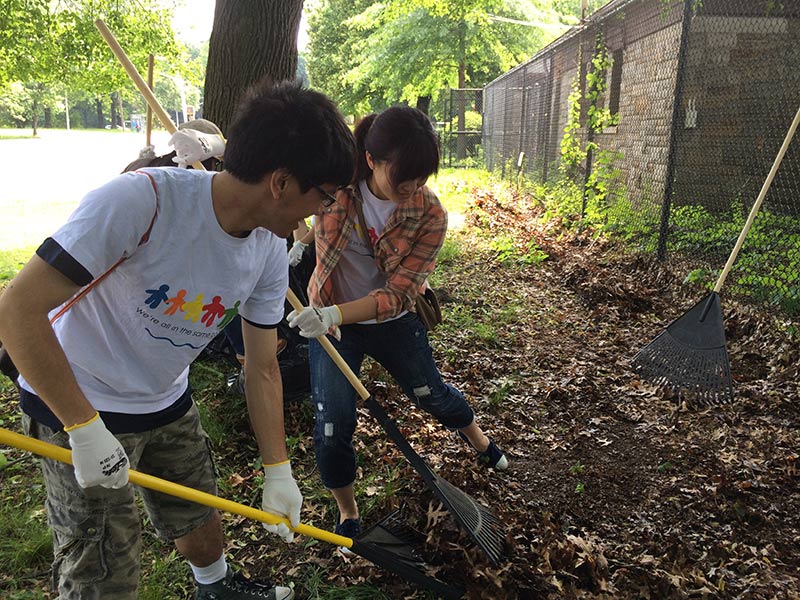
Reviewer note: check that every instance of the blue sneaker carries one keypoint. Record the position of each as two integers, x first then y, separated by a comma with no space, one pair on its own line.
492,456
350,528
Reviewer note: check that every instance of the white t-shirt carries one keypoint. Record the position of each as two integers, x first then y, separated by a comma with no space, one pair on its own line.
356,274
131,339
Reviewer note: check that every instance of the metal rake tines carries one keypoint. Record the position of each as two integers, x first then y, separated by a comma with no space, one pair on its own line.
483,527
702,374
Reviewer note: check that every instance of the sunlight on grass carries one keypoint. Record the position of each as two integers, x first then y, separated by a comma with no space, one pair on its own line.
454,189
12,261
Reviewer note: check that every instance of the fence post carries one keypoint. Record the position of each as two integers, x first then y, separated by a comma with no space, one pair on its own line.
673,135
589,136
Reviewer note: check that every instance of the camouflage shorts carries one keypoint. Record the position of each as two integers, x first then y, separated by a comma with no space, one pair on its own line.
96,531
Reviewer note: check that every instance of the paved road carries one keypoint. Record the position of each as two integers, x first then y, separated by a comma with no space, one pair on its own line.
45,178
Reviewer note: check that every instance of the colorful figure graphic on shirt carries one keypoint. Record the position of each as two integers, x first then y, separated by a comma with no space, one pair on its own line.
373,237
213,310
176,303
230,314
193,309
157,296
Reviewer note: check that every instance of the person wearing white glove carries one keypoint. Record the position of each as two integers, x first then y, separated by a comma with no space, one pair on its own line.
314,322
296,253
382,235
281,497
148,152
193,146
98,457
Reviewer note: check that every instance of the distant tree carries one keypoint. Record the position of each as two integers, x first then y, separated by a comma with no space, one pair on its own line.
337,35
53,48
570,10
250,39
408,50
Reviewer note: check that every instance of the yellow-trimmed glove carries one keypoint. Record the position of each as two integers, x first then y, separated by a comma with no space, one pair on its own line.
98,457
281,497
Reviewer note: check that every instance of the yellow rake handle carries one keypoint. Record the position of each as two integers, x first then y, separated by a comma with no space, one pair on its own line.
46,450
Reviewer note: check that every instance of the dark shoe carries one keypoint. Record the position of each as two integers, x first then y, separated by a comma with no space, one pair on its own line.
492,456
350,528
236,586
235,383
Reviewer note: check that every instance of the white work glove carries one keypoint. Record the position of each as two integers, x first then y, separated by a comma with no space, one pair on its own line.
192,146
98,457
148,152
281,497
314,322
296,253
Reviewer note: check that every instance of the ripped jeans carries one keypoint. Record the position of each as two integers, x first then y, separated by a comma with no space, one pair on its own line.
401,347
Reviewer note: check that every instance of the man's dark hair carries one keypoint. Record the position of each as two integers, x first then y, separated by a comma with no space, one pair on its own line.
283,125
402,136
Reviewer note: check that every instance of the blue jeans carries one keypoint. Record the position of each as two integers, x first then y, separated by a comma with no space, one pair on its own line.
401,347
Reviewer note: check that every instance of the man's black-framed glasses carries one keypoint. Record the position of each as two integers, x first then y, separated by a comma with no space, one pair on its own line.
327,199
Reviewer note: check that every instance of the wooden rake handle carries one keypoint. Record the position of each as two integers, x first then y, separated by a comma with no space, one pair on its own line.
751,217
332,352
22,442
140,83
149,120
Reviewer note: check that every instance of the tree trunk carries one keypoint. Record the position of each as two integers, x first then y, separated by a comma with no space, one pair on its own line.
48,117
424,103
35,116
121,111
98,105
113,111
250,39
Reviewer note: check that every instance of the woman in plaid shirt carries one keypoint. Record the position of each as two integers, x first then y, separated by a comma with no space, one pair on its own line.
372,262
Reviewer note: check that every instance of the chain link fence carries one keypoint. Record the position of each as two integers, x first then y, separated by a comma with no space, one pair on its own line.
458,115
660,120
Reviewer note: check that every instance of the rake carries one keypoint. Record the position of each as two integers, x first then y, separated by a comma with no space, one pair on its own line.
385,544
482,526
691,355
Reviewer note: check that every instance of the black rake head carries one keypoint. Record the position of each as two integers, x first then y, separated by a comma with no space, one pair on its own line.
391,544
691,357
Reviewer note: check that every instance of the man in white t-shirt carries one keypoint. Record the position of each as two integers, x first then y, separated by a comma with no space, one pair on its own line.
109,378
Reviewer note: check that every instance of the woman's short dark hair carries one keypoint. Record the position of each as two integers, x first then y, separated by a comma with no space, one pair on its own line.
283,125
402,136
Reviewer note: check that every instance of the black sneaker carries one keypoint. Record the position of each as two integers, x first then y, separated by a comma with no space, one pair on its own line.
492,456
236,586
235,383
350,528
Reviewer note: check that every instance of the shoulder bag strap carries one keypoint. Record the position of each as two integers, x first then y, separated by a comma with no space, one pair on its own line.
94,282
362,222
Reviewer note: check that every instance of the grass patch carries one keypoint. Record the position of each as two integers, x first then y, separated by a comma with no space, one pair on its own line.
12,261
454,187
316,587
166,570
26,547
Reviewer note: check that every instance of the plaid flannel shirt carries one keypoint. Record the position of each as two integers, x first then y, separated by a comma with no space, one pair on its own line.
405,252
